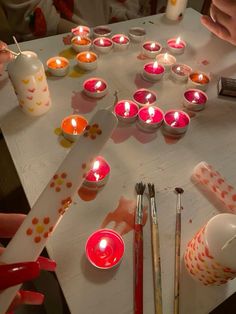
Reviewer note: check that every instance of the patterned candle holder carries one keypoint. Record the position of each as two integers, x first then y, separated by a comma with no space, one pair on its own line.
212,180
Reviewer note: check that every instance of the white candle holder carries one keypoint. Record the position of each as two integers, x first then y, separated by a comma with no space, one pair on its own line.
81,30
150,118
151,49
95,87
166,60
176,45
180,72
153,71
58,66
176,122
137,34
87,60
199,80
103,44
120,42
80,44
101,31
144,97
194,99
126,111
72,126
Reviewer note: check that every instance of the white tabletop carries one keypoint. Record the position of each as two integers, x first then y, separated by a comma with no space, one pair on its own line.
133,156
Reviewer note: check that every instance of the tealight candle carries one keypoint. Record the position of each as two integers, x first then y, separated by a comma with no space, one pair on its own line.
180,72
72,126
150,118
151,48
103,44
82,31
58,66
195,99
137,34
153,71
120,41
199,80
95,87
176,45
144,97
166,60
210,255
87,60
101,31
126,111
176,122
98,175
81,43
105,248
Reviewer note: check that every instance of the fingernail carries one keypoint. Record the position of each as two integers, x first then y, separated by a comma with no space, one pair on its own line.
13,274
31,297
46,263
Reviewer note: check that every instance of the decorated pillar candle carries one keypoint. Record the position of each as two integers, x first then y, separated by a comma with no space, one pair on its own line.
151,48
175,9
101,31
213,181
176,45
103,44
37,227
72,126
120,41
199,80
144,97
28,78
58,66
180,72
82,31
176,122
95,87
81,43
105,248
87,60
210,255
126,111
137,34
194,99
150,118
153,71
166,60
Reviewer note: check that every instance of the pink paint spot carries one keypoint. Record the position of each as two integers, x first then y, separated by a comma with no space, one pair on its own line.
205,62
67,39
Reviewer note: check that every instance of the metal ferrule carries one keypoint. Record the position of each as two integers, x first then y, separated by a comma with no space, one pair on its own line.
139,210
178,206
153,210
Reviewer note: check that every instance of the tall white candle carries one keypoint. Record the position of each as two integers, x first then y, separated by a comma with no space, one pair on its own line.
175,9
48,210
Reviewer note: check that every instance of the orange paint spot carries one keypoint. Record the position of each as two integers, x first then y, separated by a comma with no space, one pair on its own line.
46,220
63,175
52,184
37,239
46,234
205,181
50,229
35,221
220,180
29,231
58,189
69,184
234,197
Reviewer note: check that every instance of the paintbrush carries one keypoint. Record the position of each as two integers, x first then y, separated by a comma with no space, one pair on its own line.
138,250
156,259
179,192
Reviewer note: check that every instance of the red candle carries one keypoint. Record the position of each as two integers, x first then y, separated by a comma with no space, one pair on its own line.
151,49
126,111
176,122
104,248
153,71
150,118
120,41
176,45
95,87
98,175
195,99
72,126
103,44
144,97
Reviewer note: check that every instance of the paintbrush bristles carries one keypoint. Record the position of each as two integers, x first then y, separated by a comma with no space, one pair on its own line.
140,188
151,189
179,190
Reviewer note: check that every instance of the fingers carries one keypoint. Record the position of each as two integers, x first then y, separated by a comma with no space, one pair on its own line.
215,28
9,223
26,297
2,45
46,263
226,6
220,17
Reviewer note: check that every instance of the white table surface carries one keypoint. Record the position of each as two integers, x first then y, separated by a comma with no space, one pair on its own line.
133,156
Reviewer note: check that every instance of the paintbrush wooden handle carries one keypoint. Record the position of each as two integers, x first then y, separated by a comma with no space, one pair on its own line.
177,262
156,268
138,269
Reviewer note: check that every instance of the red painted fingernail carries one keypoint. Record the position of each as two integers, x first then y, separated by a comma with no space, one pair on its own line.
46,263
31,297
13,274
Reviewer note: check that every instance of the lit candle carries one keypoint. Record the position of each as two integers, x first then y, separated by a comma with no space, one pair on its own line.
199,80
180,72
95,87
58,66
151,49
176,122
120,41
126,111
210,255
166,60
194,99
137,34
175,9
153,71
150,118
103,31
82,31
144,97
87,60
176,45
98,175
81,43
105,248
103,44
72,126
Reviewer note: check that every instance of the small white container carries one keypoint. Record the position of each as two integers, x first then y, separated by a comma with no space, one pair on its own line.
102,44
95,87
120,42
151,49
180,72
166,60
137,34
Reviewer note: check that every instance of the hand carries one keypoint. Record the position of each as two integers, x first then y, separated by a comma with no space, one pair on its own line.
223,20
4,54
13,274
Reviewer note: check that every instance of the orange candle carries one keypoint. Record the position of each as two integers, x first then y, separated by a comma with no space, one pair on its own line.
199,80
87,60
72,126
81,43
58,66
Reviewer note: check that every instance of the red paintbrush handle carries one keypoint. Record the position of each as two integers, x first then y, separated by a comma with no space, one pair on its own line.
138,269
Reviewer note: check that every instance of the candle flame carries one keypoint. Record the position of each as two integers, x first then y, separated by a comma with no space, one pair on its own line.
178,69
78,38
196,95
88,55
96,165
149,95
178,40
127,108
58,61
73,123
103,244
101,42
122,38
155,65
97,176
176,118
81,29
151,111
166,56
98,84
200,77
152,45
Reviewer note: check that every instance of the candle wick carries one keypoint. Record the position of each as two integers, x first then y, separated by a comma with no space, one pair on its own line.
227,243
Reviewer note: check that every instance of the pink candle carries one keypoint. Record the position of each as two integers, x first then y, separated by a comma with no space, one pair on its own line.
103,44
144,97
195,99
120,41
150,118
105,248
153,71
176,45
83,31
95,87
176,122
126,111
151,49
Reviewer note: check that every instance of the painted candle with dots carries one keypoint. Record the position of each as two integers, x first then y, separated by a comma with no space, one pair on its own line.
31,237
